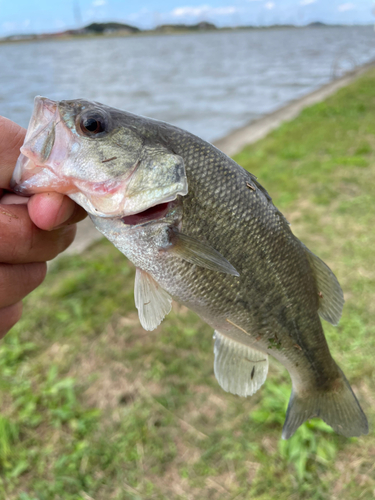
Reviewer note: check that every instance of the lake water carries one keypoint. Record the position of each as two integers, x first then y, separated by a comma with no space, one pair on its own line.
208,83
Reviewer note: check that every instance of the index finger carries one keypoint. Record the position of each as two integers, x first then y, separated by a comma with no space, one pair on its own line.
11,139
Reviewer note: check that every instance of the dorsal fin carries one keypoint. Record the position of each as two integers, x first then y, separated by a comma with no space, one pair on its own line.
153,303
331,297
238,368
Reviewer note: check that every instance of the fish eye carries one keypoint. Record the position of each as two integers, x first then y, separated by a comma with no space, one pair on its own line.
92,125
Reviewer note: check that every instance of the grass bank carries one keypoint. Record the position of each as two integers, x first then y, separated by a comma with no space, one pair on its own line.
93,407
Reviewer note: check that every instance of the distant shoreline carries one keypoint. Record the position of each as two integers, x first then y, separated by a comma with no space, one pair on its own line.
165,31
233,142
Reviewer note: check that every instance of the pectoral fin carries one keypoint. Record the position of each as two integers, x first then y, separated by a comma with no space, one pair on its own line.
331,297
239,369
153,303
188,248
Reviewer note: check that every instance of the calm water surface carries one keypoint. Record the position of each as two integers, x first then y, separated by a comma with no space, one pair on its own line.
207,83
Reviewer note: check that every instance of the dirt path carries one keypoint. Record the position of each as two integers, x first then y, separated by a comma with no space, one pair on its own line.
235,141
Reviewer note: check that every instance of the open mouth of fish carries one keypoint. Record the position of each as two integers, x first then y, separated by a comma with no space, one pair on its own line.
153,213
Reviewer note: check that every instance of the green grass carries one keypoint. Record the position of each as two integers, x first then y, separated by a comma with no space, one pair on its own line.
94,407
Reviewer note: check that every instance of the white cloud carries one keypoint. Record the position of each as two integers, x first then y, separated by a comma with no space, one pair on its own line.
99,3
26,23
346,6
202,10
307,2
269,5
190,11
224,10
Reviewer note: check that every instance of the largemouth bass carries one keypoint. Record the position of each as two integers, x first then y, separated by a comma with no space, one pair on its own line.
201,230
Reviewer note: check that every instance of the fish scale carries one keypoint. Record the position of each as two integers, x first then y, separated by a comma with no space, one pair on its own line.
201,230
237,206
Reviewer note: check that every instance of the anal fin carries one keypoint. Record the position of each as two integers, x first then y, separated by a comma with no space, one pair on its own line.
238,368
152,301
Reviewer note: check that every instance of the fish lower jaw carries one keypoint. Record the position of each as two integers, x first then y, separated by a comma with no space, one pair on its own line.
155,212
130,210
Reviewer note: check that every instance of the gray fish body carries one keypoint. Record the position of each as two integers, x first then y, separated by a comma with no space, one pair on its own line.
275,298
267,296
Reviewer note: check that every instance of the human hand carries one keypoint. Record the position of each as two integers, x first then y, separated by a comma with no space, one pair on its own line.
32,231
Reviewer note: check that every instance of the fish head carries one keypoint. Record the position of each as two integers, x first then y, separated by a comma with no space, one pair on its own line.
106,160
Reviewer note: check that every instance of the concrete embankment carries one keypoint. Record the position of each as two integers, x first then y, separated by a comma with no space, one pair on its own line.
235,141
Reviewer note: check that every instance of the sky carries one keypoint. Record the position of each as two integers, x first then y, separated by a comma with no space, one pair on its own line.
41,16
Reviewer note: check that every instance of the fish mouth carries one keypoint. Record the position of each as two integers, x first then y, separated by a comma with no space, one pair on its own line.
153,213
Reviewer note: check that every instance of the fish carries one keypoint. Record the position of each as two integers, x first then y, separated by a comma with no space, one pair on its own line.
203,231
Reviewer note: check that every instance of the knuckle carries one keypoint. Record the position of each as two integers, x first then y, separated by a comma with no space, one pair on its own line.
34,274
30,276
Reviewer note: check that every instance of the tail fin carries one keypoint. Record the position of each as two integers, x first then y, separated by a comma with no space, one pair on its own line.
338,408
